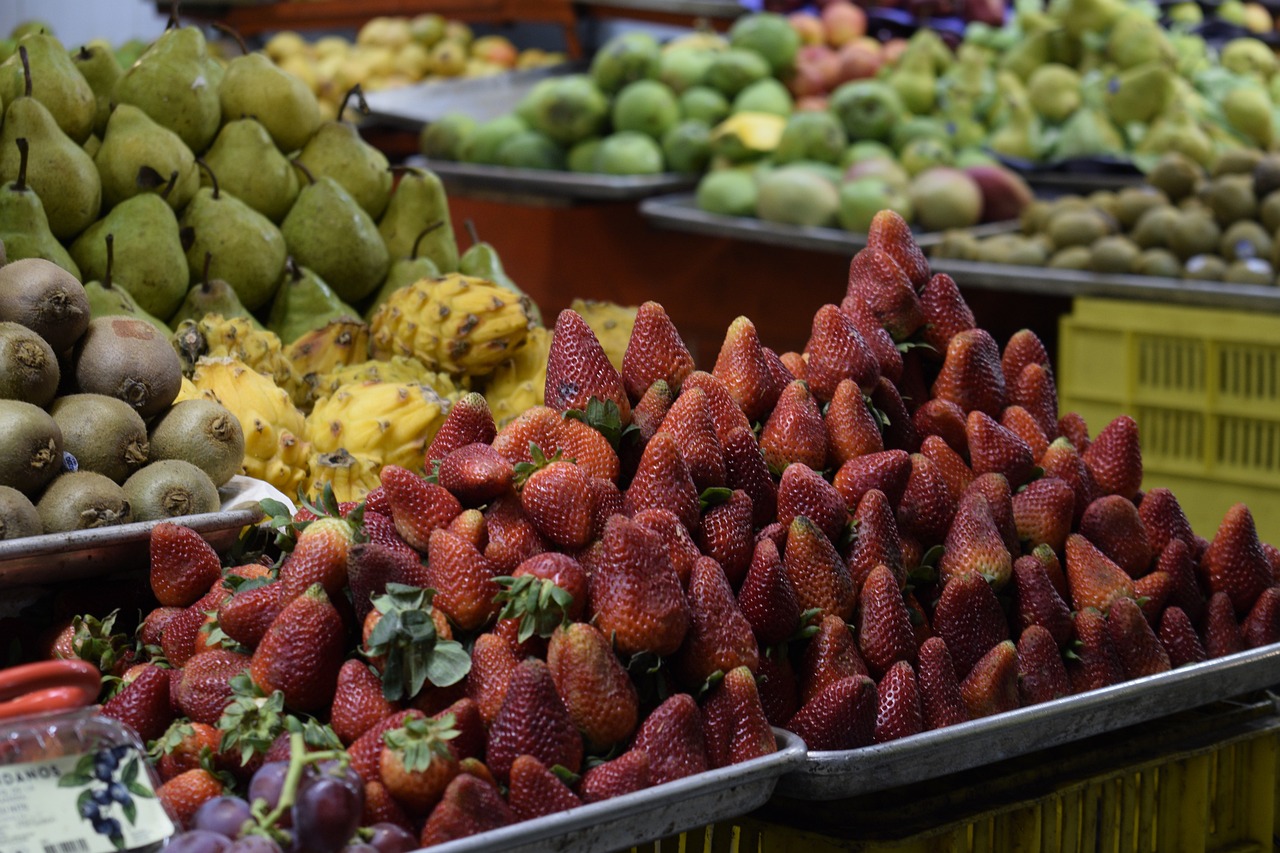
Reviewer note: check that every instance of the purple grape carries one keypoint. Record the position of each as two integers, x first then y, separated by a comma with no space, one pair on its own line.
390,838
359,847
266,784
225,815
350,777
198,841
254,844
326,813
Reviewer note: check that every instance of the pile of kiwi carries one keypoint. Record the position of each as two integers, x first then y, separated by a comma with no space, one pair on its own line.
90,435
1181,223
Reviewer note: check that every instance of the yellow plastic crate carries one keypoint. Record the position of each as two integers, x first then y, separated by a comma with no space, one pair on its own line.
1205,786
1203,385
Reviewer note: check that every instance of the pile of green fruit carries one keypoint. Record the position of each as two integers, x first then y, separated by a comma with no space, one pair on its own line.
92,435
1182,223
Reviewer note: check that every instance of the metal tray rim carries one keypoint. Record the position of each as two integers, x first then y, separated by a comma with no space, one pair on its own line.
75,540
587,185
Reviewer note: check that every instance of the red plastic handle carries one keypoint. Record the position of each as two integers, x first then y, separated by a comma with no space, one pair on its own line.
54,685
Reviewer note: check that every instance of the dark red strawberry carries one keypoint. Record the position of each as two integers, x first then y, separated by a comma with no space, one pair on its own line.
1039,602
832,654
358,703
1034,391
885,635
1163,519
940,701
994,449
891,234
1135,643
795,364
767,598
578,369
719,636
204,684
647,414
945,312
969,618
470,805
777,685
745,371
375,502
1179,638
899,432
1072,427
673,738
803,492
654,353
725,411
1041,674
795,431
512,536
1095,581
992,686
493,662
625,774
725,535
835,352
1049,559
889,471
635,593
733,721
681,549
319,556
301,653
779,375
463,579
975,544
381,528
178,639
417,506
944,419
1024,425
955,472
1023,348
183,565
1094,663
817,572
898,714
598,693
143,703
995,488
533,721
246,616
926,510
1112,524
1222,635
1114,458
875,335
537,792
971,376
1062,461
689,423
1235,562
1042,513
663,481
843,716
1176,561
877,542
469,422
876,277
557,499
746,469
475,474
1153,591
1262,626
552,433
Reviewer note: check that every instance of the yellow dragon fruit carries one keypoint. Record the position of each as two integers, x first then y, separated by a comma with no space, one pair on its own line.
215,336
274,447
398,368
351,477
612,324
519,382
391,422
456,323
336,344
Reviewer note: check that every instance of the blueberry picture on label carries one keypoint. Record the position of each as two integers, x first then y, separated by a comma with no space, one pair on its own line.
107,785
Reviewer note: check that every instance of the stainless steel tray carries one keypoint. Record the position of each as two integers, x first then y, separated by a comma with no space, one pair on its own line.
632,819
848,773
681,213
482,98
560,185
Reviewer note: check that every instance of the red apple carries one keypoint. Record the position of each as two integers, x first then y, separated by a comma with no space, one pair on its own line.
859,59
843,22
809,27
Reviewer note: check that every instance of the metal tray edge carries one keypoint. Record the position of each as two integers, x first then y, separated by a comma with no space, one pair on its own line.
557,184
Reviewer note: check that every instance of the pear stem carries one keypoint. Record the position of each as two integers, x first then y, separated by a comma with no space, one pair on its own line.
311,179
291,267
471,231
204,285
26,69
21,184
173,16
402,169
84,53
111,260
234,33
168,187
413,255
212,177
362,105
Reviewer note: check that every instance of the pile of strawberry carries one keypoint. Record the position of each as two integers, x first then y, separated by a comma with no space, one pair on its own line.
889,532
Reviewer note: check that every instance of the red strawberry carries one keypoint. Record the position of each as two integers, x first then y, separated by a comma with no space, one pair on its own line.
944,419
320,556
898,714
734,725
625,774
746,469
469,422
563,571
971,376
463,579
795,364
1024,425
533,721
843,716
1136,644
204,684
578,369
366,751
358,704
1023,348
301,653
536,791
557,500
875,336
1222,635
178,639
551,432
1033,390
832,654
492,664
1163,519
143,704
512,536
744,369
1094,580
654,353
876,277
1062,461
183,565
992,686
417,507
955,472
974,544
725,535
1039,602
689,423
1041,674
1042,513
370,567
725,411
598,693
184,794
835,352
899,431
635,592
1115,458
680,547
885,635
1235,562
181,746
475,474
1049,559
469,806
647,414
779,374
969,618
777,686
945,312
381,528
851,429
803,492
1112,524
1262,626
1072,427
767,598
246,616
152,627
1179,638
889,471
376,500
816,571
890,233
877,543
795,431
940,701
995,488
469,526
663,481
920,626
1176,561
1095,663
673,738
1153,591
926,510
992,448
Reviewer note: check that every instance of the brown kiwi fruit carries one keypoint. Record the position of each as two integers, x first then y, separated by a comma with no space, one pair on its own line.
129,359
80,500
169,488
18,516
46,299
202,432
28,366
1205,268
31,453
104,434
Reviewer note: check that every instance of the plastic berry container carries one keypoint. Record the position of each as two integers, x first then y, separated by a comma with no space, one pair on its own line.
71,780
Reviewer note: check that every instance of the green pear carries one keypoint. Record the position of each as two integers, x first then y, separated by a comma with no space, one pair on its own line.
150,263
328,231
24,228
98,65
336,151
170,82
211,296
251,168
107,298
91,146
405,272
482,261
1140,93
59,170
255,86
1248,109
1089,132
1026,56
304,303
56,83
137,155
1019,135
248,250
1085,16
419,202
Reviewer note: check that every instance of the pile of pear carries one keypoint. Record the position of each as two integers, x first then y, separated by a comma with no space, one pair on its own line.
93,435
1183,222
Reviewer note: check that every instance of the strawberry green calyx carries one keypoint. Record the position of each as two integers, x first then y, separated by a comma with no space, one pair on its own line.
421,740
96,641
525,470
540,604
252,720
605,418
414,653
